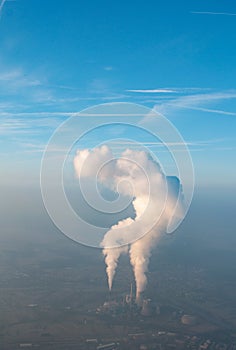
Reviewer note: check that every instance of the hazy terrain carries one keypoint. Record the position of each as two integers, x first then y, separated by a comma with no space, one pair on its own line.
50,285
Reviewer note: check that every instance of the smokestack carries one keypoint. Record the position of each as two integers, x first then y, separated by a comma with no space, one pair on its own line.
109,295
139,299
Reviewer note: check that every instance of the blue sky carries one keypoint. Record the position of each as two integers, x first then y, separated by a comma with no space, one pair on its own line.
58,57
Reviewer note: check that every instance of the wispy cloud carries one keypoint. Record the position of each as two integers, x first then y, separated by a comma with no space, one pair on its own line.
108,68
2,3
37,114
40,148
33,91
37,124
16,78
213,13
194,146
153,91
127,143
170,90
1,6
198,102
217,111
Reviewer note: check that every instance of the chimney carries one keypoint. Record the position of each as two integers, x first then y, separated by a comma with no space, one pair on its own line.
139,299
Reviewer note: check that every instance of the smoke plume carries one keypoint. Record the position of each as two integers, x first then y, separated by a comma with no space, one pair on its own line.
154,197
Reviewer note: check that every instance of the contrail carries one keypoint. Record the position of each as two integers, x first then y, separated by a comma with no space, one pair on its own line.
213,13
1,6
153,91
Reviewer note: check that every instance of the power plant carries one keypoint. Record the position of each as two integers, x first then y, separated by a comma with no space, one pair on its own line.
129,305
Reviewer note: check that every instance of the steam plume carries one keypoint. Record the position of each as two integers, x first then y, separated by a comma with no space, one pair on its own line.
154,198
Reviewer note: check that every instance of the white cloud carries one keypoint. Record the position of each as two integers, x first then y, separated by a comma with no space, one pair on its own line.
108,68
213,13
152,91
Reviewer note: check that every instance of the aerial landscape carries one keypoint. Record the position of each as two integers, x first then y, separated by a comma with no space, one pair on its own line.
118,175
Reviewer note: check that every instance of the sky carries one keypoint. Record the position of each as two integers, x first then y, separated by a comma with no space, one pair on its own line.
176,57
